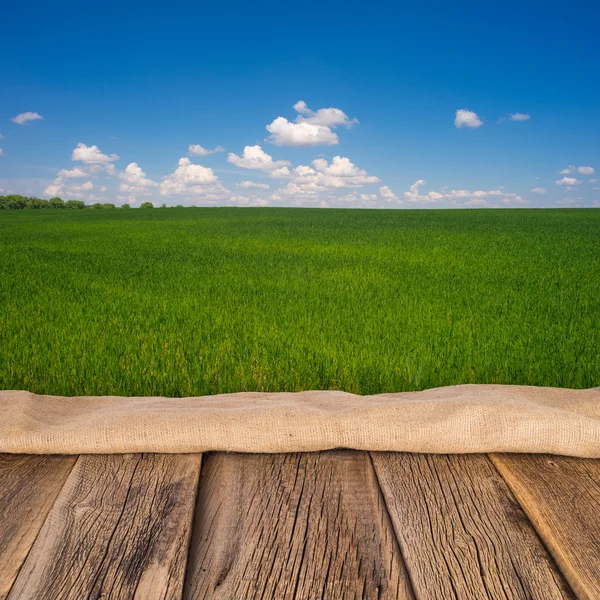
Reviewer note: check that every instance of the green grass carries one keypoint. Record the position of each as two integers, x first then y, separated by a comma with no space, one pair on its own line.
183,302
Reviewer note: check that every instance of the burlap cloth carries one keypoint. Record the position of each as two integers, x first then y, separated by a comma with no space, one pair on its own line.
459,419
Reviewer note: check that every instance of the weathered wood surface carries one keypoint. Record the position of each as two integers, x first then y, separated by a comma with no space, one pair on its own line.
305,526
119,529
461,532
28,487
561,497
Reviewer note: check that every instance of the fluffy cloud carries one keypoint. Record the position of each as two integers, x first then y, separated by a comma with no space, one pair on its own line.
340,173
192,180
540,191
310,128
386,193
568,181
254,157
76,173
198,150
467,118
519,117
586,170
91,155
26,116
1,152
593,181
135,182
248,185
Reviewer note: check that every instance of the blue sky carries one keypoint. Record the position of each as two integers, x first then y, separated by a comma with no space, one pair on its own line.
351,104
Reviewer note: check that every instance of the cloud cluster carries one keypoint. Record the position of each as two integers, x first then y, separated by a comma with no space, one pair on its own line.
27,116
94,163
308,182
581,170
414,194
190,179
311,128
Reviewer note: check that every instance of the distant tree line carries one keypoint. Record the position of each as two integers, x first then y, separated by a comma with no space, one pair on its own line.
15,202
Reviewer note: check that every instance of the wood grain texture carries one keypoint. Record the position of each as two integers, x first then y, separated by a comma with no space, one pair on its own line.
119,529
29,486
304,526
461,532
561,497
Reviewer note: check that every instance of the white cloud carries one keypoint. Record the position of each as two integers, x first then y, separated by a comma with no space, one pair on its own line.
310,128
1,136
573,169
76,173
1,152
254,157
26,116
135,182
540,191
414,194
62,185
593,181
310,185
65,189
386,193
460,197
586,170
467,118
327,117
192,180
568,181
519,117
248,185
92,155
198,150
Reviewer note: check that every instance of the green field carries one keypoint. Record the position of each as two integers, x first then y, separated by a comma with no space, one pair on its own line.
181,302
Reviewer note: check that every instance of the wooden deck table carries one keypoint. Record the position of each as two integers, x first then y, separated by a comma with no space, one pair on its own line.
325,525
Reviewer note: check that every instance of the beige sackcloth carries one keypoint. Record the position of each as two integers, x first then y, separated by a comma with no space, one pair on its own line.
458,419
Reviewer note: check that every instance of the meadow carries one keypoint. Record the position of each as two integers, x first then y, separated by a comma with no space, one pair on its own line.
180,302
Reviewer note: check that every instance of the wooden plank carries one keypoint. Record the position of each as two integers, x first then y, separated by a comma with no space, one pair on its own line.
29,486
561,496
461,532
303,526
119,529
